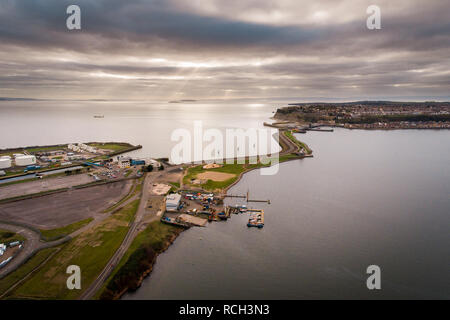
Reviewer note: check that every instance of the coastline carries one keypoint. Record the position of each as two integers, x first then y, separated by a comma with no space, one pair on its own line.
147,272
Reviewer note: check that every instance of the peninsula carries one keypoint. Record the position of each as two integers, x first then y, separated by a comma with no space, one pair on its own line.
370,114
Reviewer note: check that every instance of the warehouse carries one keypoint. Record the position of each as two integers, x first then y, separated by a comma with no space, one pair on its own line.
25,160
173,202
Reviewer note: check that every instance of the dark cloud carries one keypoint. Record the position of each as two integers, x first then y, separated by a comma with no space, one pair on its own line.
212,48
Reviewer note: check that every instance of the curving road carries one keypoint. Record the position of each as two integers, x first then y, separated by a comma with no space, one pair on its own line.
30,247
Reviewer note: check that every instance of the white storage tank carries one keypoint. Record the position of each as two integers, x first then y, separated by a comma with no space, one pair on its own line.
25,160
5,163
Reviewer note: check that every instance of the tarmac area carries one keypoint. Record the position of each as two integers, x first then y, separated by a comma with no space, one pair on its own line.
30,187
61,209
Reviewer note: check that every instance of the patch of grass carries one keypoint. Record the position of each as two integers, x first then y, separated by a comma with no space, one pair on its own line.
53,234
138,258
43,149
90,250
300,144
17,275
234,168
175,184
128,173
8,236
110,146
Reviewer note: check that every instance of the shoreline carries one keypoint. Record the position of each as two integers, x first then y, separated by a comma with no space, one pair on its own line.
172,239
149,270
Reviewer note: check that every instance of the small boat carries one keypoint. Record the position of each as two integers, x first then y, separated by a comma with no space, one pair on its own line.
243,208
99,116
222,216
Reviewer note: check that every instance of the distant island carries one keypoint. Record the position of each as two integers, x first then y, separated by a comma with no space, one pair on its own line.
370,114
181,101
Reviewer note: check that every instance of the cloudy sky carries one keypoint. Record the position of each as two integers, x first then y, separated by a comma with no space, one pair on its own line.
225,49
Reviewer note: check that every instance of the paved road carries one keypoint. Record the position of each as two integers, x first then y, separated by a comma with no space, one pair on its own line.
30,247
132,232
291,146
33,243
150,178
30,187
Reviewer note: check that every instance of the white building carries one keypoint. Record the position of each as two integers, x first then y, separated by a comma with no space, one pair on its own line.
25,160
173,202
125,162
5,162
153,162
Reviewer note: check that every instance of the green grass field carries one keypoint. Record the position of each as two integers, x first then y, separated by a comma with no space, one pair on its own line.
53,234
110,146
236,169
90,250
25,269
154,236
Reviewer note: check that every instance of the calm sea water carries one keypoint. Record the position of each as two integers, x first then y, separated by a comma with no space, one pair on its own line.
29,123
367,197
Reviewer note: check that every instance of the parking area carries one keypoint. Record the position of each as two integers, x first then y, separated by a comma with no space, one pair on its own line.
57,210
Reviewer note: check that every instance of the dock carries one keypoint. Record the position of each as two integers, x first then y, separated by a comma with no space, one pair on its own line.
174,222
192,220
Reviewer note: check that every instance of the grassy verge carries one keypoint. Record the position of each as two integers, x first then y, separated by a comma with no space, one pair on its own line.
300,144
91,250
25,269
54,234
8,236
134,190
138,259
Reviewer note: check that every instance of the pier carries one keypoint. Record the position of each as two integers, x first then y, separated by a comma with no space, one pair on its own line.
246,197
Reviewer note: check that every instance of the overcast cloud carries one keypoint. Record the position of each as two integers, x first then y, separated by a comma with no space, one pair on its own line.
224,49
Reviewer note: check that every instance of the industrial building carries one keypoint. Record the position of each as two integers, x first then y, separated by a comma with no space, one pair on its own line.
173,202
25,160
124,162
81,147
5,162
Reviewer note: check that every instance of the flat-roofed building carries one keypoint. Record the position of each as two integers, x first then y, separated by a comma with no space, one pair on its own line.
173,202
